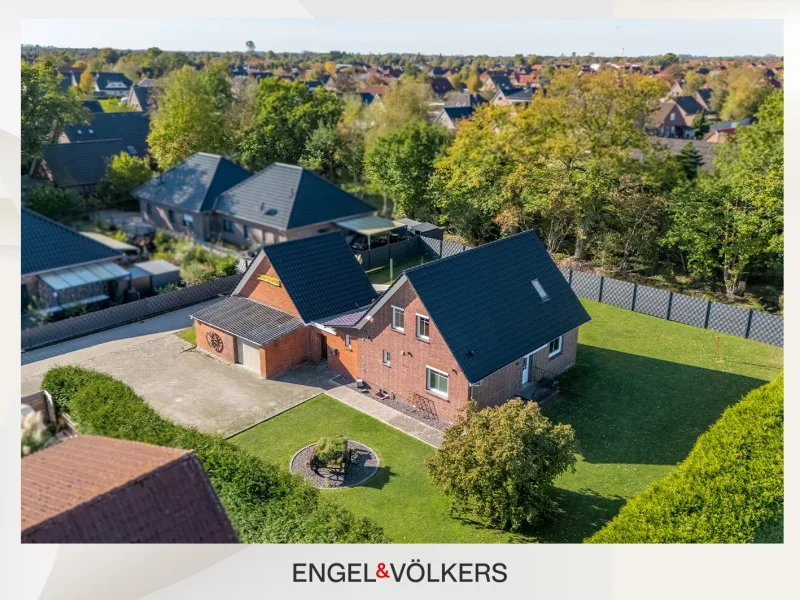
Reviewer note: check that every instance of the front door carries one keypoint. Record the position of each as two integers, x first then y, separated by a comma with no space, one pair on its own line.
526,368
323,347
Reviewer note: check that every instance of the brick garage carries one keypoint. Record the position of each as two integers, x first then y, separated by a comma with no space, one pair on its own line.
202,331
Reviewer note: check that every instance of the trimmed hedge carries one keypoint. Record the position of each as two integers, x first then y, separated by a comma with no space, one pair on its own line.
728,490
264,504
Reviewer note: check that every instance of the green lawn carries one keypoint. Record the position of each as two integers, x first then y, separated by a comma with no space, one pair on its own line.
642,391
189,334
381,274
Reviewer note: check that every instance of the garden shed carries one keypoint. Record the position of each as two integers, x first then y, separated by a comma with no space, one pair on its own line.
148,277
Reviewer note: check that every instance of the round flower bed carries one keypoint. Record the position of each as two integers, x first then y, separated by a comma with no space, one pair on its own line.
364,464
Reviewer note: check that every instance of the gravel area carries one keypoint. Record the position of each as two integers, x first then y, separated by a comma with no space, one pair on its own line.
364,465
407,410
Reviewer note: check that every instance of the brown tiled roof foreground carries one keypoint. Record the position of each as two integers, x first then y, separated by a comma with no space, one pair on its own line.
91,489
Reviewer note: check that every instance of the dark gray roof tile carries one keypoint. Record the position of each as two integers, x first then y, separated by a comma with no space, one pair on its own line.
248,319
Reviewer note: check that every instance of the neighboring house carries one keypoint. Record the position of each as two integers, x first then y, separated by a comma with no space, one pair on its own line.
90,489
441,86
674,117
703,97
676,89
139,98
275,318
62,269
449,117
182,198
282,202
81,153
494,82
111,84
512,96
486,325
459,99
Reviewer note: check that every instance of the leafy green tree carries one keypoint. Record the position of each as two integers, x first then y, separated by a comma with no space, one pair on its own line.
402,163
87,83
700,125
251,47
124,173
190,115
401,104
694,81
690,160
500,463
46,108
109,56
746,90
287,114
53,202
320,153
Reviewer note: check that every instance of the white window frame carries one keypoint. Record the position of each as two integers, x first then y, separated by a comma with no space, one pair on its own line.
348,341
434,391
395,310
557,351
420,318
671,116
387,358
187,220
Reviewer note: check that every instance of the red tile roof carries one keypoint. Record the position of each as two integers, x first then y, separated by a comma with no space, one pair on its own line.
91,489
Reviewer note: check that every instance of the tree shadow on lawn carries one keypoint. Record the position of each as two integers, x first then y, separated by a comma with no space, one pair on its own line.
582,514
380,479
632,409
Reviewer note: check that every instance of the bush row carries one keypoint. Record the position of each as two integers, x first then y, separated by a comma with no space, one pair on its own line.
728,490
264,504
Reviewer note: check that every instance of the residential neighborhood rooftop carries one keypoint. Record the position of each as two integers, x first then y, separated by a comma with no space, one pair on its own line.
286,197
194,184
248,319
47,245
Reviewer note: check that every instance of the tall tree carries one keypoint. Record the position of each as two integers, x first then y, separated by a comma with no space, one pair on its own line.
46,107
402,163
191,114
87,83
287,113
690,160
251,47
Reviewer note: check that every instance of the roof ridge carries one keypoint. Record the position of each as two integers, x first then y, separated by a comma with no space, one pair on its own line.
242,182
470,249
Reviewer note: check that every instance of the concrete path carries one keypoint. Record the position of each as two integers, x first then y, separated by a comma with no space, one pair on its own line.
388,415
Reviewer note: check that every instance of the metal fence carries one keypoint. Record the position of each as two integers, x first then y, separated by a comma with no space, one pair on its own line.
92,322
725,318
398,251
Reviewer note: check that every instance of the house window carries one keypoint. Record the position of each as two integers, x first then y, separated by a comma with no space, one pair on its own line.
423,327
398,319
540,290
671,116
437,382
227,225
554,347
188,220
171,215
244,231
386,358
347,341
149,209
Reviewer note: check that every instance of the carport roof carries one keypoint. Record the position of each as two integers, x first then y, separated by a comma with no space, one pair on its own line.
247,319
370,225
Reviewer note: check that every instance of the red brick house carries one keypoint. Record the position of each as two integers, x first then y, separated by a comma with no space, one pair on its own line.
484,325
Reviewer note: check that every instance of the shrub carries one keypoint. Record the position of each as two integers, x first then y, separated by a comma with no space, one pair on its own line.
501,462
728,490
330,450
264,504
123,174
52,202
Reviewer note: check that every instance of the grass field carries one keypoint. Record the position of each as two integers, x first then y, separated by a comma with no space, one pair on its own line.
189,334
642,391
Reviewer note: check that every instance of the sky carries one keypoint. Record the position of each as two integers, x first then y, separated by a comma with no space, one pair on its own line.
717,37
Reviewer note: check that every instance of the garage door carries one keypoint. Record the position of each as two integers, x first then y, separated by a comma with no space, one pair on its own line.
248,354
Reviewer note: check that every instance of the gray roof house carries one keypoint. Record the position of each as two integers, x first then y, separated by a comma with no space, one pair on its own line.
62,268
450,116
111,84
181,199
283,202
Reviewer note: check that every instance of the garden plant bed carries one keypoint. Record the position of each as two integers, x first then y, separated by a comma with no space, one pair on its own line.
364,463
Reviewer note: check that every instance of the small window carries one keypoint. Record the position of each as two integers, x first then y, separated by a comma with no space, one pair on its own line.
244,231
227,225
348,342
540,290
171,215
80,132
188,220
555,346
423,327
671,116
91,131
437,382
398,319
386,358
